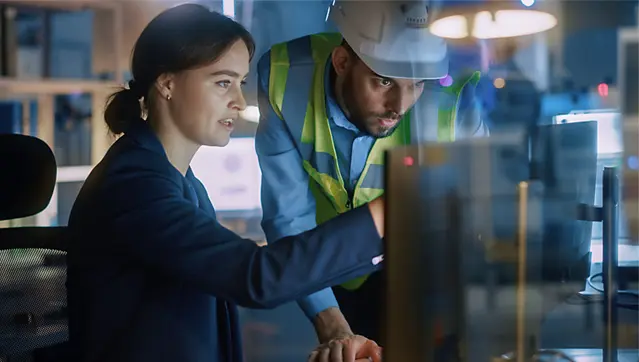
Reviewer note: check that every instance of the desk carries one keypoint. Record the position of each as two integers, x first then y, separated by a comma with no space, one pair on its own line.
566,327
595,355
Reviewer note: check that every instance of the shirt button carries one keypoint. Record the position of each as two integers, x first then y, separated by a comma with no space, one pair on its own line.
348,204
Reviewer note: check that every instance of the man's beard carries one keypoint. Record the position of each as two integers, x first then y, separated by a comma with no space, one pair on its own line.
368,124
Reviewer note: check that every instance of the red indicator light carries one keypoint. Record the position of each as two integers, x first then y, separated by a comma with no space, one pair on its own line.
408,161
603,89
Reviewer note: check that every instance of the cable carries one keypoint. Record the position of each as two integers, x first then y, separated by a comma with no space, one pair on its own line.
600,275
592,285
621,293
542,355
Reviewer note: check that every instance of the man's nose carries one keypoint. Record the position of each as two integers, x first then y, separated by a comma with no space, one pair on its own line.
401,101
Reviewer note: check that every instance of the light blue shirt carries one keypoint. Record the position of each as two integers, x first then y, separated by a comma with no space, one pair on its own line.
287,203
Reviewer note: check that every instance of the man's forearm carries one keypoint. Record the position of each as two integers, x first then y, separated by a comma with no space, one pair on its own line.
331,324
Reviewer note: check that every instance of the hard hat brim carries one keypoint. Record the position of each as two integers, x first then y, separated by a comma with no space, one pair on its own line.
407,69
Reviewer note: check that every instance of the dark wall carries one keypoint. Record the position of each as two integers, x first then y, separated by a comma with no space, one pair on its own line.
590,42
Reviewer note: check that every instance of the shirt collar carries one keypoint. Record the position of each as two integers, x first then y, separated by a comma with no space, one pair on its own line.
333,110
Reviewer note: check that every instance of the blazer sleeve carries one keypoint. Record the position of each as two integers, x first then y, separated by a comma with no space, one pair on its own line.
154,224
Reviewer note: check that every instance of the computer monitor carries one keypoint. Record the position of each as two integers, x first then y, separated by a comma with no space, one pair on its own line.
564,160
231,175
628,83
455,220
452,213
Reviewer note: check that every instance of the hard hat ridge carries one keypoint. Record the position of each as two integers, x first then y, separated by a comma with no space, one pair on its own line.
392,37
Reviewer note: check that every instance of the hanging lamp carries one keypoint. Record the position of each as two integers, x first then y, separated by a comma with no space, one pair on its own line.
489,19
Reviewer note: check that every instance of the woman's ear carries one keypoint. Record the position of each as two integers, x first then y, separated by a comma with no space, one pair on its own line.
165,85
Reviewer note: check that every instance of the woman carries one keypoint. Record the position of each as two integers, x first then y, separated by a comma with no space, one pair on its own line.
152,275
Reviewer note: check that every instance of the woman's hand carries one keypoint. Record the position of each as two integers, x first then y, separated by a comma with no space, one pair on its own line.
376,208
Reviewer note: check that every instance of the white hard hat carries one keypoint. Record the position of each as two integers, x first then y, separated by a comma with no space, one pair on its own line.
391,37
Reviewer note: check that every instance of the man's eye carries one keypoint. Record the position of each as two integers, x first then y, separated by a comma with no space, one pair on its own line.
385,82
224,83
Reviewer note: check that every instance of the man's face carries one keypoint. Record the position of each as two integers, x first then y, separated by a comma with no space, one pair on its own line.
373,103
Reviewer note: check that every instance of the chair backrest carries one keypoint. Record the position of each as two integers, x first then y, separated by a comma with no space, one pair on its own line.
27,176
33,296
32,259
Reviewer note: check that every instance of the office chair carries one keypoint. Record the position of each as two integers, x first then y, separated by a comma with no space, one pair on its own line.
33,319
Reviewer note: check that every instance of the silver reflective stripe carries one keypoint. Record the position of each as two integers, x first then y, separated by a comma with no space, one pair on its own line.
468,120
298,90
324,163
374,178
425,115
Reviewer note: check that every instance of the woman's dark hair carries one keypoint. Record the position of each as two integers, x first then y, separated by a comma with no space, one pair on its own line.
180,38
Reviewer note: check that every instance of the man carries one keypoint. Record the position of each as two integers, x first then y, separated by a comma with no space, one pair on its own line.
330,104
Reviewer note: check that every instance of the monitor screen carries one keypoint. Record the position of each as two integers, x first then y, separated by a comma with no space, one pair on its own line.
609,129
231,174
564,160
451,209
455,223
628,79
630,73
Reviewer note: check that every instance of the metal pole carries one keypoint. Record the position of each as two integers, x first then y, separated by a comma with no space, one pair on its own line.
522,228
609,262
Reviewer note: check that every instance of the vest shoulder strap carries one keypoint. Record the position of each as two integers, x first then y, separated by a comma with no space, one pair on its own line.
306,50
294,65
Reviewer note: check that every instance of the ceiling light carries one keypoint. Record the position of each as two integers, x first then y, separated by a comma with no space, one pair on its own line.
490,20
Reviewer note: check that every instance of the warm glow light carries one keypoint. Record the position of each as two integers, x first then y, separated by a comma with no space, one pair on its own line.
251,114
454,27
499,83
504,24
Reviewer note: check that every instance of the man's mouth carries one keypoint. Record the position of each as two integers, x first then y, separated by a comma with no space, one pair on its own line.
388,122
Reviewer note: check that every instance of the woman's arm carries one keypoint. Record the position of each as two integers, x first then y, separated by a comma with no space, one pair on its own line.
156,225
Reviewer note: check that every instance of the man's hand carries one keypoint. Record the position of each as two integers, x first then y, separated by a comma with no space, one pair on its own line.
347,349
339,343
330,324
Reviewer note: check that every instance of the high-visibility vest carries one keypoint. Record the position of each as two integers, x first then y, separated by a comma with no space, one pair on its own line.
297,95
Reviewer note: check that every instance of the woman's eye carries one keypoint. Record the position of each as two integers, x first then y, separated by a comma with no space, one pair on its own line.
224,83
243,83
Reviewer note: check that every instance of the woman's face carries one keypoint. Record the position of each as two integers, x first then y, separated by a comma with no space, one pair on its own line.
205,102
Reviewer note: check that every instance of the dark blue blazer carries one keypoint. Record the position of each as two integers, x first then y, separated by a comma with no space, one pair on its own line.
153,276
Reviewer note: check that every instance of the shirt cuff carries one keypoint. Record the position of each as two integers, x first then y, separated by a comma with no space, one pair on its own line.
317,302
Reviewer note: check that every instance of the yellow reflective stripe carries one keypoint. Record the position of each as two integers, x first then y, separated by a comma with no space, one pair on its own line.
446,116
316,129
324,163
277,77
323,44
355,283
446,125
333,190
375,178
